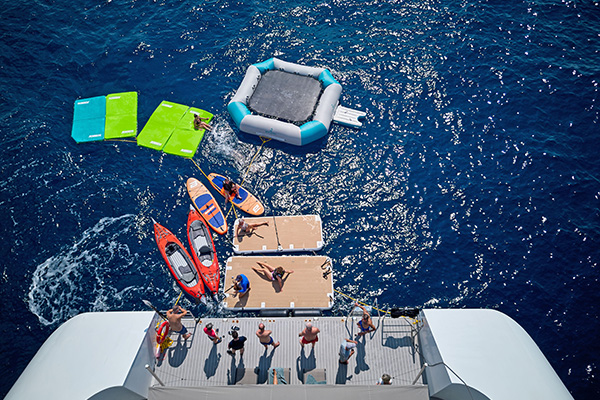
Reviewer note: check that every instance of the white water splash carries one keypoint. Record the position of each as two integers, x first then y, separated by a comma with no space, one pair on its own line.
222,142
88,276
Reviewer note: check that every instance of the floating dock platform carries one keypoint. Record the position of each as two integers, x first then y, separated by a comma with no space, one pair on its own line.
283,234
309,287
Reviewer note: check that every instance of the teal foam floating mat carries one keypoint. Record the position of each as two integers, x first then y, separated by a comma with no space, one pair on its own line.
89,119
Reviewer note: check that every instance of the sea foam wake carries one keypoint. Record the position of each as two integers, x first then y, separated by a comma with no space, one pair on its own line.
89,275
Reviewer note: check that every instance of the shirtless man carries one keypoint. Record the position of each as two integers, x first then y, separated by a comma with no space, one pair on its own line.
174,316
309,335
264,336
366,323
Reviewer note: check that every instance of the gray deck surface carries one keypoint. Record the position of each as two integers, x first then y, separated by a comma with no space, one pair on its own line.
198,362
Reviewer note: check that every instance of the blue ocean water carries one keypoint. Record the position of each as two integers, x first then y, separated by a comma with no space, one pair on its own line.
475,182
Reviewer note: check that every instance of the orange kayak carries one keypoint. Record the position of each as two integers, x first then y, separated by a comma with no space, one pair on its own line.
179,262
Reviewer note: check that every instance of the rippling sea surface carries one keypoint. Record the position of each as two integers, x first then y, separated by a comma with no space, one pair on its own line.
474,183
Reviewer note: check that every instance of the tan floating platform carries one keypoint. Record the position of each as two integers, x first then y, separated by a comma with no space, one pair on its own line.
283,234
307,288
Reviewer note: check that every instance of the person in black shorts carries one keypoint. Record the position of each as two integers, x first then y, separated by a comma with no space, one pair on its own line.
237,343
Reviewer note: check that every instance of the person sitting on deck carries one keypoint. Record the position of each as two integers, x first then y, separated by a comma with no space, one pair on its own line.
272,273
231,189
199,122
366,323
237,343
174,316
213,334
246,228
385,380
241,285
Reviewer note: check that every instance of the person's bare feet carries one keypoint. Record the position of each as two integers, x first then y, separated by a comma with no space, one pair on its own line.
275,345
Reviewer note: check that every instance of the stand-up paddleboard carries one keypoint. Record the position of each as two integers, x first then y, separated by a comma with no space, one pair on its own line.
247,203
206,205
179,262
203,251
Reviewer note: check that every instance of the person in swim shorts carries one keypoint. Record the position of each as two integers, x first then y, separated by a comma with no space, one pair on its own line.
274,274
174,316
347,350
366,323
241,285
309,335
213,334
264,336
246,228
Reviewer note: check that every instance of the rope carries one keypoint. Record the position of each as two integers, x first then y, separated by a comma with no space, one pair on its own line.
178,299
199,169
360,302
255,155
120,140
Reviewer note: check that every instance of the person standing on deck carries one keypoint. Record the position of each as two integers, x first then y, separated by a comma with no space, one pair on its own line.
174,316
309,335
237,343
264,336
213,334
347,350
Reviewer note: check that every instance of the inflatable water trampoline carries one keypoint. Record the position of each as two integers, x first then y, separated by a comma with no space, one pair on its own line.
289,102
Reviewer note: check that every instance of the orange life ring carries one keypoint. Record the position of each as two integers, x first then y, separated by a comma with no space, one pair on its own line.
162,333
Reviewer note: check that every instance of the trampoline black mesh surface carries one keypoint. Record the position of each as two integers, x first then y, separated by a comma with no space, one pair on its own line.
285,96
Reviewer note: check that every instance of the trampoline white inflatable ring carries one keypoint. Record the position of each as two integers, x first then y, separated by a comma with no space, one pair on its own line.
287,132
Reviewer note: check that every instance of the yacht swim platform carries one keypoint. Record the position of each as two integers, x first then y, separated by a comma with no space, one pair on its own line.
310,287
283,234
198,362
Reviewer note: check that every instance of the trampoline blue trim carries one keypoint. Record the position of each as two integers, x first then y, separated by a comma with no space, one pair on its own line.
311,131
327,79
287,132
265,65
238,111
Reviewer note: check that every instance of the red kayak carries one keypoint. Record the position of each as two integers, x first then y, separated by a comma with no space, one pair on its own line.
203,251
179,262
